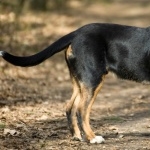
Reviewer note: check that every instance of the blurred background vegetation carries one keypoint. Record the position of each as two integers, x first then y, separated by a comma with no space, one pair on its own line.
40,5
12,13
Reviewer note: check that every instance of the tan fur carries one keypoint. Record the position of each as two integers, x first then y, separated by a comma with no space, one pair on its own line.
81,101
85,106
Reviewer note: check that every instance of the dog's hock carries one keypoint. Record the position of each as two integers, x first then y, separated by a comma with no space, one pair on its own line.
97,139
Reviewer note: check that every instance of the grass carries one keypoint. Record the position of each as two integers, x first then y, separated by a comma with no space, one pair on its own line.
114,119
2,126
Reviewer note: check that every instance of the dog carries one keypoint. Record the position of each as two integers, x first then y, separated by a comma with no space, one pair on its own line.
91,52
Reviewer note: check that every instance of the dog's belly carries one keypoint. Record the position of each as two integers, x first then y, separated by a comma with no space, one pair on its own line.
134,72
129,62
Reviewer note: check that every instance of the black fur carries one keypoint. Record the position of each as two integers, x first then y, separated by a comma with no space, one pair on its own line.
124,50
36,59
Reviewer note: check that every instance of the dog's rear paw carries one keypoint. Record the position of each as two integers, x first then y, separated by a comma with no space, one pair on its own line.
75,138
97,139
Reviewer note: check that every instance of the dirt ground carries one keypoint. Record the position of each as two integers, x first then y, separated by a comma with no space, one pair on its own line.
32,100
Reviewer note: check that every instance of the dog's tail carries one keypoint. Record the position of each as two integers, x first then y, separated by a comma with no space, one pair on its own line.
36,59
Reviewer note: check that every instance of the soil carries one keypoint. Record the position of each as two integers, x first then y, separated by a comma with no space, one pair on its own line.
32,100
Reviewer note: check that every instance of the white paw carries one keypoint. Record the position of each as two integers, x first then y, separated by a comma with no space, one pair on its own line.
97,139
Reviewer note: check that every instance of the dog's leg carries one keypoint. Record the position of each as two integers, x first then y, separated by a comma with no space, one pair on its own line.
72,105
71,110
85,105
69,106
87,68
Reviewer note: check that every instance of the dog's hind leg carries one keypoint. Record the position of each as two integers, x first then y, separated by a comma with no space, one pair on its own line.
87,68
72,105
71,111
90,69
88,96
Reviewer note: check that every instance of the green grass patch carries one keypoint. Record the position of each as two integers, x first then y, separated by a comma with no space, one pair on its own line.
2,126
114,119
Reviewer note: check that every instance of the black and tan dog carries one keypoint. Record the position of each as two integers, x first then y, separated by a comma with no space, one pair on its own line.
91,52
